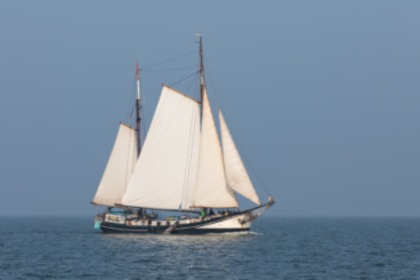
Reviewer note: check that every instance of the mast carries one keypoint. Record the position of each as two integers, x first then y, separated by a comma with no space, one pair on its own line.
138,108
201,69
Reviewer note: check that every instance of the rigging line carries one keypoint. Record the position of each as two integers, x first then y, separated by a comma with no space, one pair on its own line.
143,125
183,79
196,84
193,83
232,130
171,69
218,101
130,109
246,160
167,60
188,181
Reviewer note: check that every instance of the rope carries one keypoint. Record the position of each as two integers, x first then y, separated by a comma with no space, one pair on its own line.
131,107
168,70
193,84
167,60
232,131
183,79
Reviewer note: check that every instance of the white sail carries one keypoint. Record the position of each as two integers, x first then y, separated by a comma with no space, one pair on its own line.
236,175
211,189
166,170
119,168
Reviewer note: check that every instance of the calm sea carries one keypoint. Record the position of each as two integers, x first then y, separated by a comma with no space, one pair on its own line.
278,248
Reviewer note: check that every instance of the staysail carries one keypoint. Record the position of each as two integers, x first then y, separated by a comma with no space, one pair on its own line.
166,170
211,189
237,177
119,168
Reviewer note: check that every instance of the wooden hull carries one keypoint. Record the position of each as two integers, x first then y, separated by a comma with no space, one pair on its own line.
237,222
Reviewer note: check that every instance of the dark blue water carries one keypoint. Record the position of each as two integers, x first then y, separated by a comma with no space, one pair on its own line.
279,248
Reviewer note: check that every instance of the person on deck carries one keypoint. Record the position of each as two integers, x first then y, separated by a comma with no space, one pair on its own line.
203,213
140,213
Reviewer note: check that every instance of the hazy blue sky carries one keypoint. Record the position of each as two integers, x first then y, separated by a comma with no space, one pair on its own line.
323,96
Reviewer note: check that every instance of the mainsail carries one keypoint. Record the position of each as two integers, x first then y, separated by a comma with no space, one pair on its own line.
119,168
166,170
236,175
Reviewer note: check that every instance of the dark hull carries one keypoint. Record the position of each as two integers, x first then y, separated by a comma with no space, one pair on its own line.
239,222
112,228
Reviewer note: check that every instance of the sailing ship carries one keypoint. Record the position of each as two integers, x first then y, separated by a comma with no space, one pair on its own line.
182,169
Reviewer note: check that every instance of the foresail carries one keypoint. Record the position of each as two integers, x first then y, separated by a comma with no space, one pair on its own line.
165,173
236,175
119,168
211,189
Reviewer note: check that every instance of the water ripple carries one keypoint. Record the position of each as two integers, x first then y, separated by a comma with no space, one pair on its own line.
278,248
